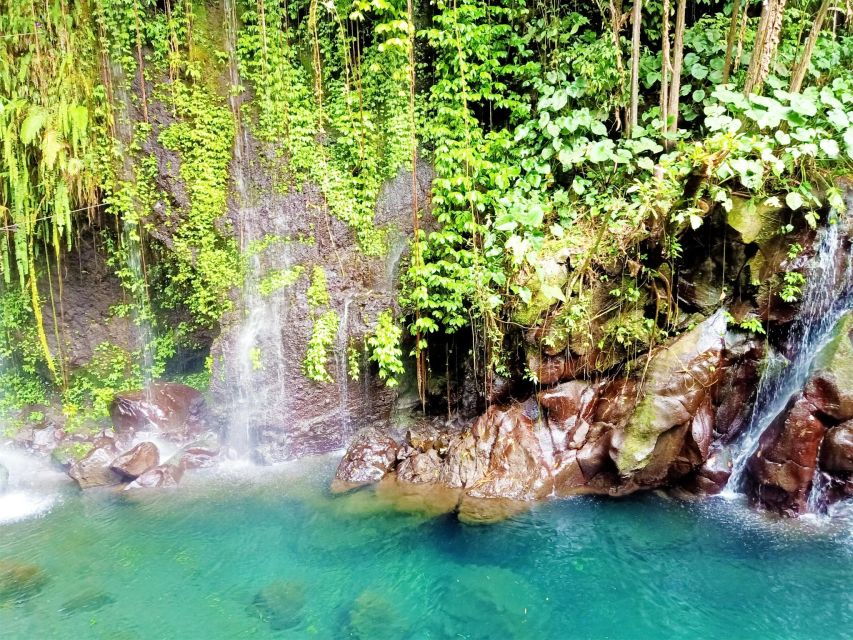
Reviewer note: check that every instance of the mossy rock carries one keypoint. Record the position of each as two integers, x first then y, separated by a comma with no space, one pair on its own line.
755,221
677,380
281,604
836,357
20,581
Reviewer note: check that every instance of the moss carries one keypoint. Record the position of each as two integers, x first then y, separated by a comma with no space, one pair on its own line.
756,222
837,356
318,290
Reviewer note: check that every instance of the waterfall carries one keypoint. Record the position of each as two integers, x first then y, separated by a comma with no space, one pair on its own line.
826,297
132,246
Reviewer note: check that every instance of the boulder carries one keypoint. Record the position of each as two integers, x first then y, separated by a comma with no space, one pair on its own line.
280,604
374,617
780,473
164,476
836,452
370,456
94,469
830,387
134,463
200,453
174,410
20,581
735,395
677,381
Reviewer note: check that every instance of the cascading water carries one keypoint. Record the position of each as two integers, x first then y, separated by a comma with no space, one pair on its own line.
828,294
342,361
141,304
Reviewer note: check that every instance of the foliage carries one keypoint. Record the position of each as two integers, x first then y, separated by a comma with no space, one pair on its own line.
322,338
278,279
318,290
385,348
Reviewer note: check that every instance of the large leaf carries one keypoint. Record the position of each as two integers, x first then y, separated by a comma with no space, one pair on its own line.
32,124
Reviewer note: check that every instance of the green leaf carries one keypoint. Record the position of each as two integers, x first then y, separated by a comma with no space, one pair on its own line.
804,105
830,147
553,293
794,200
699,71
32,124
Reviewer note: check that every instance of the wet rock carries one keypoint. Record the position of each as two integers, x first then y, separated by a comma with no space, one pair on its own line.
371,455
735,395
830,387
677,381
20,581
87,601
373,617
164,476
94,469
836,452
712,475
200,453
132,464
174,410
779,474
280,604
419,467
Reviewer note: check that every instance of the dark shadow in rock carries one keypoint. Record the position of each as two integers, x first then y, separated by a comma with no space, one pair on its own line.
89,600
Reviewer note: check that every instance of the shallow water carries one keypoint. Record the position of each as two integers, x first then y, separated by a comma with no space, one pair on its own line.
198,563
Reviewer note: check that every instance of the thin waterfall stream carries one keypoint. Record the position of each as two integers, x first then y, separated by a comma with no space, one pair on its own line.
826,297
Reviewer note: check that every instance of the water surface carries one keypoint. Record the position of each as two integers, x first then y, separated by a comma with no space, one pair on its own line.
270,554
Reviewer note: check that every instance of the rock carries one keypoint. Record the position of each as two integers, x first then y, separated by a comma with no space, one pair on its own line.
428,500
489,510
20,581
836,452
94,469
370,456
419,467
374,617
4,478
830,387
779,474
134,463
489,602
200,453
87,601
164,476
280,604
173,410
735,395
677,381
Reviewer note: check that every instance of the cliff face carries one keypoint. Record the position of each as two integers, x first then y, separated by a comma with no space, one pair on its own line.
259,386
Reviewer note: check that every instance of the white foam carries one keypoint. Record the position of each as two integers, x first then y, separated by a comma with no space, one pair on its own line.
21,505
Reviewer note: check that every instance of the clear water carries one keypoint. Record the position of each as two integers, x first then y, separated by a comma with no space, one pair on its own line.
189,564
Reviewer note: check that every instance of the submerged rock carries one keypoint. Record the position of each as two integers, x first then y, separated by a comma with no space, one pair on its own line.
20,581
174,410
281,604
373,617
87,601
134,463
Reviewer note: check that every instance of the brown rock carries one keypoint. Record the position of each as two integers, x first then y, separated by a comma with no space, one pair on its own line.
836,452
200,453
779,475
93,470
174,410
137,461
371,455
160,477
